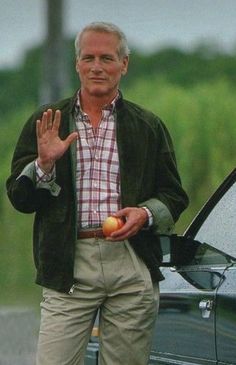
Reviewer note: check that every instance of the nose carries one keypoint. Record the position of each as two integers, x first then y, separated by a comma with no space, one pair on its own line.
96,66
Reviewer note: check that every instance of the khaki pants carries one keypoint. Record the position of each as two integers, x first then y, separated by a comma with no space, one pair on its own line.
110,278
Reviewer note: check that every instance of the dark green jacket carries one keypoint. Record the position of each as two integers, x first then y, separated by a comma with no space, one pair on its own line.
148,177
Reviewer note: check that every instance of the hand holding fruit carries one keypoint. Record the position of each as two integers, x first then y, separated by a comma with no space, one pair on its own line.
124,224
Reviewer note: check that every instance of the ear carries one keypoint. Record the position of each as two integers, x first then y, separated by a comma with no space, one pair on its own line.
77,64
125,63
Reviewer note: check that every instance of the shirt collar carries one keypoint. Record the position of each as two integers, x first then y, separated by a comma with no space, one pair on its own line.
109,107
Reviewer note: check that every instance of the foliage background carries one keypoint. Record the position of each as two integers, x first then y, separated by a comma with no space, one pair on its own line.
193,92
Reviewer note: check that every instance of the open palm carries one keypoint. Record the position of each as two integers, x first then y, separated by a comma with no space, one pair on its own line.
50,146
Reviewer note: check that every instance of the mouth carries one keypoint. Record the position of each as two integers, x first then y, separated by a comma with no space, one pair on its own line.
97,79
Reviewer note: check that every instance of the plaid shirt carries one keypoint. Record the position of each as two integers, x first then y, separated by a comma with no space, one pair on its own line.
97,174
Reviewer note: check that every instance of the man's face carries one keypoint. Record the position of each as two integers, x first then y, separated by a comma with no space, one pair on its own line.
99,66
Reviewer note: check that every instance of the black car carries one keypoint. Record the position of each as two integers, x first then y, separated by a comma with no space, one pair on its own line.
197,315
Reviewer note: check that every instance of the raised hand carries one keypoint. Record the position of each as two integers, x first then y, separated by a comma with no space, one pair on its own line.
50,146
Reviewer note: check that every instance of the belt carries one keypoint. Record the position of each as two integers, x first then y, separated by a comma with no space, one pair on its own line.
91,233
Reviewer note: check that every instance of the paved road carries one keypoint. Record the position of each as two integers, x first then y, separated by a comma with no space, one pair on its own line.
18,336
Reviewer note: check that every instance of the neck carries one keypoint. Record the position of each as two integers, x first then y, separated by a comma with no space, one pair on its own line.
94,104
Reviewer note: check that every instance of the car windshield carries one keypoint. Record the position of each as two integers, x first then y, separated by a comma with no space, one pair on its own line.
219,228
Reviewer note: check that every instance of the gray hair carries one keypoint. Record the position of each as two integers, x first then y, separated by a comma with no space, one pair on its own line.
104,27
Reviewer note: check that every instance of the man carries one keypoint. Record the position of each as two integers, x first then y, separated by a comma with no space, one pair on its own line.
77,162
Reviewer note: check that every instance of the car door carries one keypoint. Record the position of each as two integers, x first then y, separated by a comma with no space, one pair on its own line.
219,229
196,322
226,319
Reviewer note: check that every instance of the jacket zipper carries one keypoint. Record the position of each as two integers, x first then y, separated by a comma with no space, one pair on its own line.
72,289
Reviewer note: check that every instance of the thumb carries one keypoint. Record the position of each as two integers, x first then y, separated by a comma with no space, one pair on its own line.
71,138
121,213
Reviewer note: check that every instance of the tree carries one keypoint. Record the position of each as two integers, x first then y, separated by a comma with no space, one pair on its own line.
55,77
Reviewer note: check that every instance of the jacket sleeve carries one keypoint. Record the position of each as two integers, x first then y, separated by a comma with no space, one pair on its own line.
170,198
171,191
163,222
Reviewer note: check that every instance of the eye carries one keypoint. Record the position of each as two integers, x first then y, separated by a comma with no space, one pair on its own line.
87,58
107,58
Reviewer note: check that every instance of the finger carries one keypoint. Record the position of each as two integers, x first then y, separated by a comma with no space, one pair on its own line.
121,236
44,122
56,120
123,231
38,129
122,213
49,118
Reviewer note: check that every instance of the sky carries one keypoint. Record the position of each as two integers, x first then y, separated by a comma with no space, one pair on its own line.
148,24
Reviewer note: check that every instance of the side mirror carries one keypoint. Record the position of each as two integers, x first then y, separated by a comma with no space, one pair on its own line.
178,250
